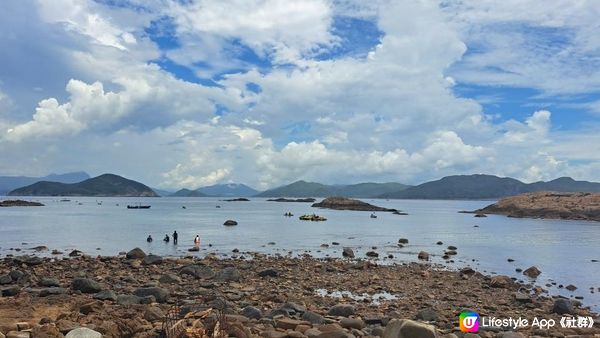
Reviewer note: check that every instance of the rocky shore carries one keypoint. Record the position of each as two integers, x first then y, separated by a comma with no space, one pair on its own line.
552,205
343,203
253,295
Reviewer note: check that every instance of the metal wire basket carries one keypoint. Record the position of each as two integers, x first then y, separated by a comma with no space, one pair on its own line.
204,318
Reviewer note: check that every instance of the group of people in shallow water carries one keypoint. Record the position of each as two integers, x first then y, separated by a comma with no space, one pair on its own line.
175,237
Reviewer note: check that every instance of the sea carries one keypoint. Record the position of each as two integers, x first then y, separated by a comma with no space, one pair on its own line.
565,251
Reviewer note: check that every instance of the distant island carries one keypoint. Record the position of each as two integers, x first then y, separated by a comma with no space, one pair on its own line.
342,203
297,200
19,203
101,186
9,183
552,205
218,190
487,187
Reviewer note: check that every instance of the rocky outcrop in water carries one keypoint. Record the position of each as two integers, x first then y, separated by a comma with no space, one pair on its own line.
343,203
552,205
299,200
19,203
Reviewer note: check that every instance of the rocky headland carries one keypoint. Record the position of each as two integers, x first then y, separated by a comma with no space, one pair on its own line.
253,295
343,203
20,203
300,200
552,205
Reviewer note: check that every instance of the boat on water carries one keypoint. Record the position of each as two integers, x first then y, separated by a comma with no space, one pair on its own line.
288,214
312,217
373,216
138,207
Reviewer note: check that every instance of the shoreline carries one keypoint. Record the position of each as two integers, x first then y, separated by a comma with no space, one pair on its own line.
423,292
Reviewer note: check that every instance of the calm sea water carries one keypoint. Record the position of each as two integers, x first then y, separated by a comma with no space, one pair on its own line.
563,250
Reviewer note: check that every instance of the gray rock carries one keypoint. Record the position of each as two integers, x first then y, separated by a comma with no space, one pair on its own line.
86,285
5,279
160,294
403,241
136,253
199,271
11,291
230,222
342,310
106,295
48,282
348,252
268,273
83,332
228,274
169,279
152,260
154,314
372,254
424,255
313,317
295,308
128,299
428,315
563,306
252,312
403,328
52,291
16,275
510,335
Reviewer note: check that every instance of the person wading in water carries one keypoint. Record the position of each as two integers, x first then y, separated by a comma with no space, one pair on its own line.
174,237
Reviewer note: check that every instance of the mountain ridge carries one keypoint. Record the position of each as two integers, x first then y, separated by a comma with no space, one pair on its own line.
303,188
9,183
101,186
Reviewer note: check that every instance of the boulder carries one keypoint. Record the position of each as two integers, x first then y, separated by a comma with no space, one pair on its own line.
571,287
532,272
313,317
501,281
152,260
83,332
403,241
372,254
342,310
268,273
106,295
75,253
52,291
48,282
403,328
230,222
11,291
17,334
348,252
5,279
160,294
228,274
424,255
86,285
154,314
563,306
252,312
427,315
16,275
128,300
352,323
169,279
199,271
136,253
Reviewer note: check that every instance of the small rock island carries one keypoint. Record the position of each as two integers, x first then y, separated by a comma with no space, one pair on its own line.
343,203
20,203
551,205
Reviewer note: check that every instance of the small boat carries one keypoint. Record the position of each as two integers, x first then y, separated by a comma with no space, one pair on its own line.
288,214
183,207
138,207
373,216
312,217
65,200
218,206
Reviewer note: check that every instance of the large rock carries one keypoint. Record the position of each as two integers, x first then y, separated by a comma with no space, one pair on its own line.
313,317
86,285
424,255
268,273
342,310
199,271
510,334
343,203
348,252
428,315
52,291
126,300
160,294
136,253
154,314
352,323
532,272
48,282
403,328
152,260
563,306
501,281
230,222
5,279
228,274
46,331
106,295
169,279
83,332
252,312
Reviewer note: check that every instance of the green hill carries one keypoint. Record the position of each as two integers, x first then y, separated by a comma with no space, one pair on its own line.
187,193
311,189
103,185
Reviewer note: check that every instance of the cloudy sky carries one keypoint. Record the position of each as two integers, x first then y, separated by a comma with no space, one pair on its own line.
264,92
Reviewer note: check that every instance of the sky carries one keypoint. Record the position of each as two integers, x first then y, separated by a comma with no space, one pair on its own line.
189,93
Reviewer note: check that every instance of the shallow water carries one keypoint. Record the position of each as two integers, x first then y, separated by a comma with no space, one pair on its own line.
563,250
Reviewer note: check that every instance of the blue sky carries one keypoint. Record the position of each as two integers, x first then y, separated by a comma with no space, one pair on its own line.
268,92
